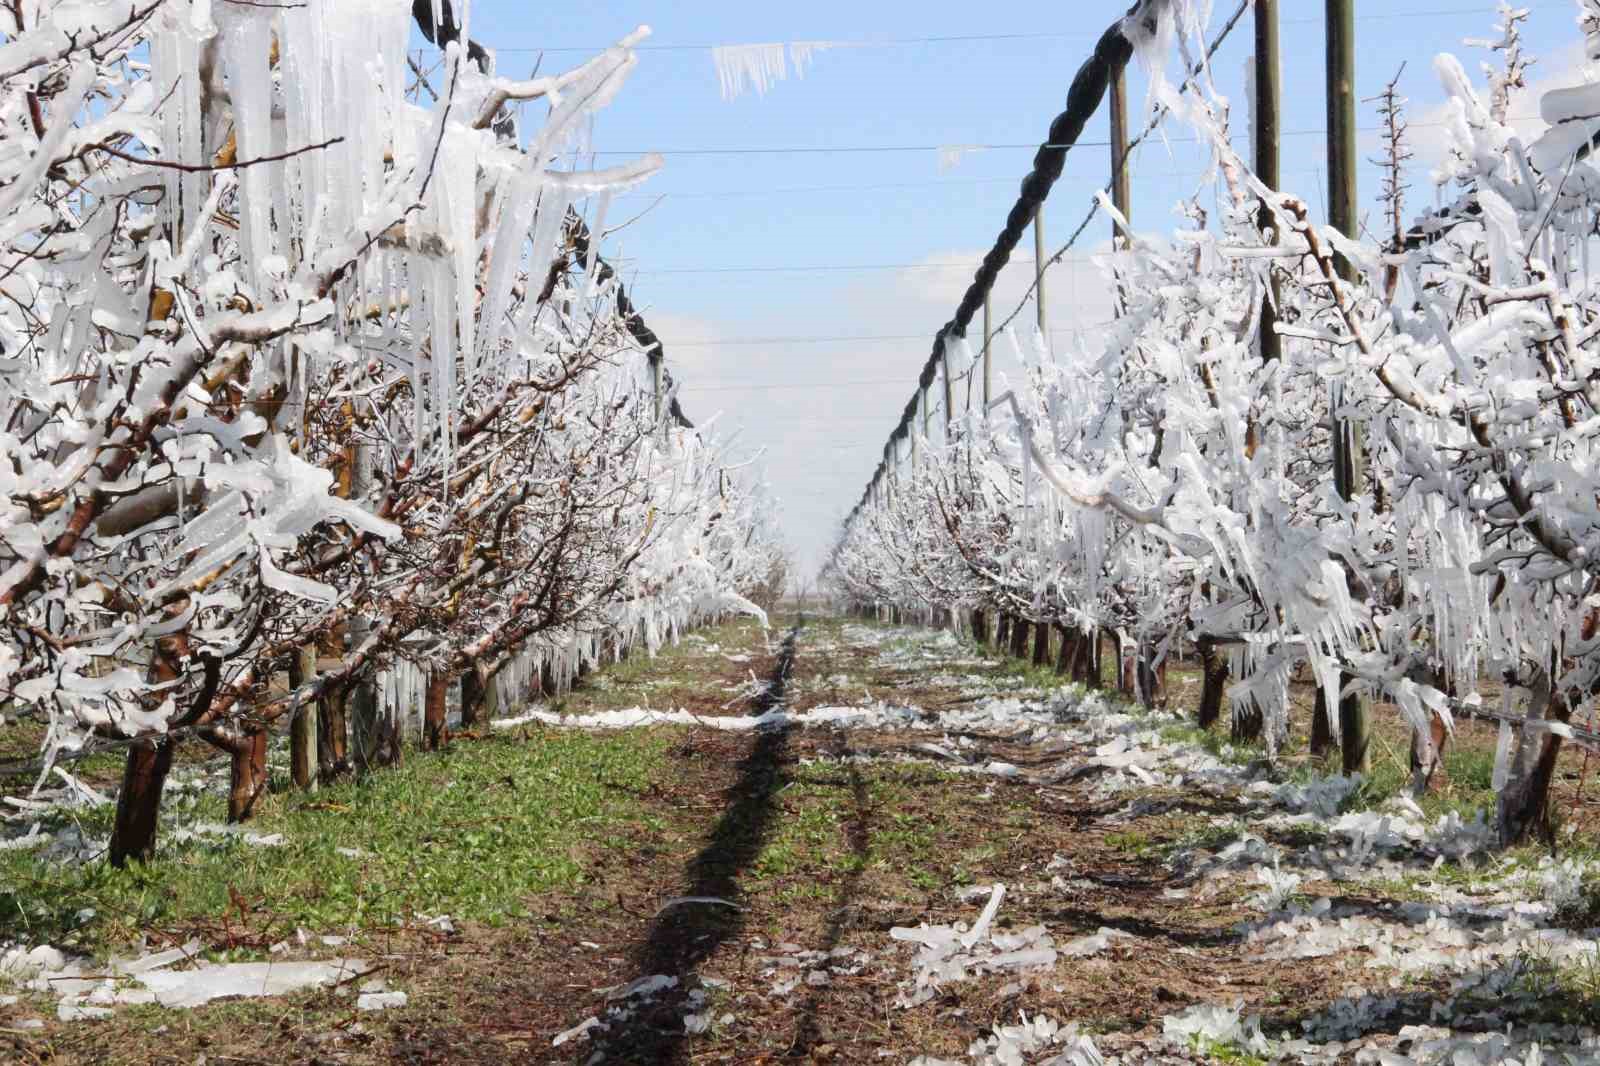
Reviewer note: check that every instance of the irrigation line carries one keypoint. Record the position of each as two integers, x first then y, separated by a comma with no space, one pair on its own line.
1154,123
1111,55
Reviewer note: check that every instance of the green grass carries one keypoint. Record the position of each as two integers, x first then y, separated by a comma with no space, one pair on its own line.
811,840
1466,787
1218,743
1133,843
471,832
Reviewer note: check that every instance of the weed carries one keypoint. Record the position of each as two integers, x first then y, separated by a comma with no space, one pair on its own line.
471,832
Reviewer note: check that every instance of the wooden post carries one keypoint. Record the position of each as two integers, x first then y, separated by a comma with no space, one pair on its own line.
1121,194
1349,459
1268,104
927,413
303,726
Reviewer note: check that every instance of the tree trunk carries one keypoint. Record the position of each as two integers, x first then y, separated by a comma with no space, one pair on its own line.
1019,639
1353,736
144,772
1214,684
303,750
333,756
1041,645
435,728
1524,804
980,628
1321,725
144,775
1064,651
1149,677
377,733
1427,756
1083,667
248,779
474,692
1127,677
1002,632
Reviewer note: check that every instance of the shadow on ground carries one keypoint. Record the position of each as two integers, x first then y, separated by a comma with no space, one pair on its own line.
684,936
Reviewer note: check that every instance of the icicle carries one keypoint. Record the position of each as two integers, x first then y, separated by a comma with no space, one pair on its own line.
1502,751
596,235
758,66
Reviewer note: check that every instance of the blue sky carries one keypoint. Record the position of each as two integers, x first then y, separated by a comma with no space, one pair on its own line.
729,249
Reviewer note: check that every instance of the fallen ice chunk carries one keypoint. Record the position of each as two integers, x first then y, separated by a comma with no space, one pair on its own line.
380,1000
581,1029
1216,1024
981,928
646,986
70,1010
1085,946
191,988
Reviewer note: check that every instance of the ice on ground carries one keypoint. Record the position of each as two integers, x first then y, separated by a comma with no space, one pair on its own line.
948,954
1206,1025
1008,1044
202,830
87,992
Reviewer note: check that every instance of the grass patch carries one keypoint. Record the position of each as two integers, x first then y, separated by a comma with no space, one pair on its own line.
825,807
1465,788
1134,843
472,832
1219,745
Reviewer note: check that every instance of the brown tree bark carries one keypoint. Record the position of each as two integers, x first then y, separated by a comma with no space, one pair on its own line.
1151,679
144,771
473,689
980,628
1041,645
1524,804
435,729
144,774
248,772
1214,683
1321,726
1002,632
333,755
1019,639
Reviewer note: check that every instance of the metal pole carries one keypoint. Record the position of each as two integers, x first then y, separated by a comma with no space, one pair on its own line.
1348,447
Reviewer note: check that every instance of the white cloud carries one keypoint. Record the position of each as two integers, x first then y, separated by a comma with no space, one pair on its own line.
820,412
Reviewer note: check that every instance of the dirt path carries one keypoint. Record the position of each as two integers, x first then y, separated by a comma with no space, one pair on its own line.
839,805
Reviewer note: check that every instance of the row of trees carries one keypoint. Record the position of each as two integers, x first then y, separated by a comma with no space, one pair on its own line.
1377,459
310,369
